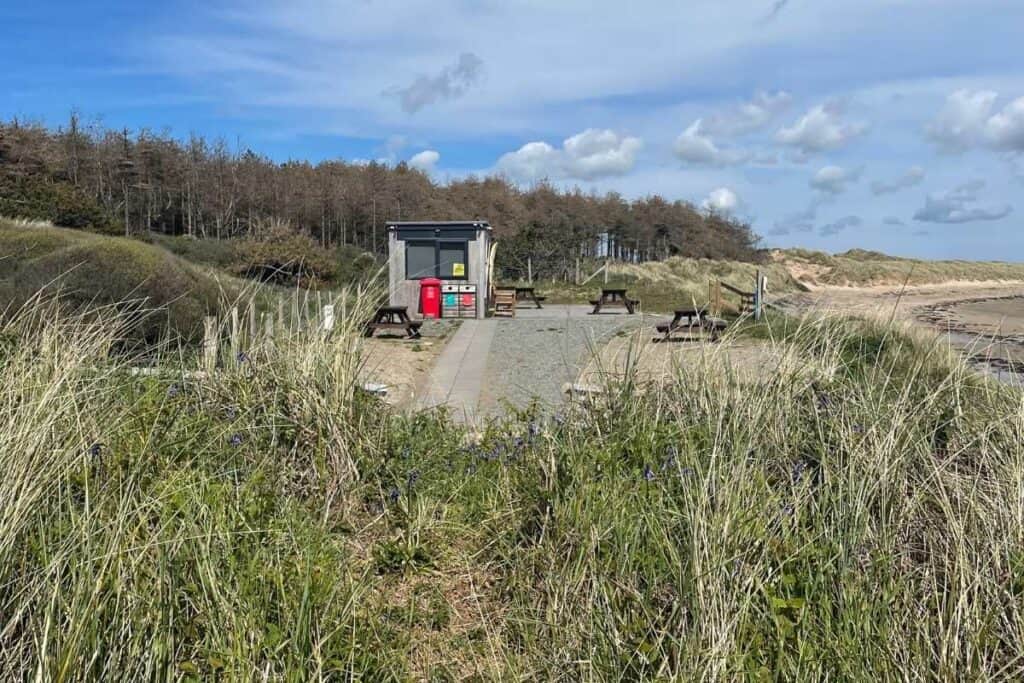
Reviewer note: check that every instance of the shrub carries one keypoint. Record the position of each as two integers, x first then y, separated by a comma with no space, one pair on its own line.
59,202
278,253
91,271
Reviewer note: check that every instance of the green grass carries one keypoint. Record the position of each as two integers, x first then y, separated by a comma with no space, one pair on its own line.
852,516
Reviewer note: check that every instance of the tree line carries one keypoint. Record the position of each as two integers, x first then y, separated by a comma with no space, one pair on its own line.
87,176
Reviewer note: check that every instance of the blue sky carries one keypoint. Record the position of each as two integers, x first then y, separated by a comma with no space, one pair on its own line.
830,124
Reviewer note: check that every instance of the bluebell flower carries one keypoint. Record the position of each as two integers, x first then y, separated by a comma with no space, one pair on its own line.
518,442
534,429
173,391
788,509
858,429
648,473
394,494
798,470
235,440
559,419
686,471
231,412
242,357
412,478
96,450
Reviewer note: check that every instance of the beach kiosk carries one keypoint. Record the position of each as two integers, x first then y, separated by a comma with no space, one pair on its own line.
455,252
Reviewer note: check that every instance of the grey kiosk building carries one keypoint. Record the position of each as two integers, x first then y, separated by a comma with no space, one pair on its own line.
459,253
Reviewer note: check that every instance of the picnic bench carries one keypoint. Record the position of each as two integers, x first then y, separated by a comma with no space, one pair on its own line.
505,302
393,318
615,298
695,317
529,294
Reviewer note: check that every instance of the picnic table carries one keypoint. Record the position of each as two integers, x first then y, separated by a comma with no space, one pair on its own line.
393,318
695,317
614,298
529,294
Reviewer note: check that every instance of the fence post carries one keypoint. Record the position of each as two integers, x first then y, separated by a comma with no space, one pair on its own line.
529,269
328,317
757,297
254,332
234,334
268,327
209,344
344,303
577,280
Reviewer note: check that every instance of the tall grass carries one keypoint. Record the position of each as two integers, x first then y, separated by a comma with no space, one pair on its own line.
856,513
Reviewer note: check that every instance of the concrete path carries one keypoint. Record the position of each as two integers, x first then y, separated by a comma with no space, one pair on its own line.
458,374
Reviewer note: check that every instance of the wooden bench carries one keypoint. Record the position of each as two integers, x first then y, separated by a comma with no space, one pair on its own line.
505,302
393,318
695,318
614,297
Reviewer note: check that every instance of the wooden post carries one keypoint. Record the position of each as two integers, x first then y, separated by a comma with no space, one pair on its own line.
254,331
328,317
577,280
234,334
344,303
209,344
268,327
757,297
280,315
606,271
529,270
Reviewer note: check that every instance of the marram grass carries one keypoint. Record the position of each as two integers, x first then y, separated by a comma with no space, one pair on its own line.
854,514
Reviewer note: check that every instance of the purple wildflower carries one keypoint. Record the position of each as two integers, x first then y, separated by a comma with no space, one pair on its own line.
235,440
242,357
648,473
96,450
788,509
798,470
173,391
394,494
412,478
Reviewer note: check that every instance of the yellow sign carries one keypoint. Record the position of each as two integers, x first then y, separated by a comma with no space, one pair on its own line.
458,270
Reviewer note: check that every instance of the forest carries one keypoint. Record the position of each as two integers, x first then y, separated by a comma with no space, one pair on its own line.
83,175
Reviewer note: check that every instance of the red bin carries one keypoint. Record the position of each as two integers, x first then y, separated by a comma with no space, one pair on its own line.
430,297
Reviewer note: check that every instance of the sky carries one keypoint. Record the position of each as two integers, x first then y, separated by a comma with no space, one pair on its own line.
895,125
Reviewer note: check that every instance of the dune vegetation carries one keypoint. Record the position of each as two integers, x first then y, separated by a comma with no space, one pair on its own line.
853,515
861,268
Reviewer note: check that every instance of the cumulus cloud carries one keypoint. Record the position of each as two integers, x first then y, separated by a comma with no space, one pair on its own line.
961,122
819,130
721,200
747,116
425,161
893,220
960,205
838,226
966,120
695,146
450,83
588,155
833,179
1005,130
913,176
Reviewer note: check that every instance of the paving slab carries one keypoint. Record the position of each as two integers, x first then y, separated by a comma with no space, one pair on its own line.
458,374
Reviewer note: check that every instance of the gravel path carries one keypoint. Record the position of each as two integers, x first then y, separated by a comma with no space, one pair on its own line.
534,355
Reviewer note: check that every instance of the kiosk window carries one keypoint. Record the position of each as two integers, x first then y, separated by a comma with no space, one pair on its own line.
436,258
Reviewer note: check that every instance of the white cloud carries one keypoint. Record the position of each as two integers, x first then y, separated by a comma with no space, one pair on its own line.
696,147
819,130
833,179
960,206
893,220
425,161
748,116
722,200
961,123
913,176
588,155
450,83
801,221
1005,130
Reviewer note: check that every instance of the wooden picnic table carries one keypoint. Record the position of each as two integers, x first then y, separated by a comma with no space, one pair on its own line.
393,318
695,317
529,294
615,298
